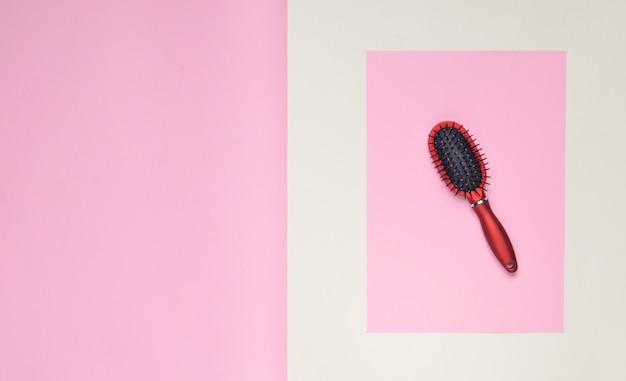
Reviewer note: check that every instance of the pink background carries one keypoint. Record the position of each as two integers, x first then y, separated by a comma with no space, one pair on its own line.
143,190
429,266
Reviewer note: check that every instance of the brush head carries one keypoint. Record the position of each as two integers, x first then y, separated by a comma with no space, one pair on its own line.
458,159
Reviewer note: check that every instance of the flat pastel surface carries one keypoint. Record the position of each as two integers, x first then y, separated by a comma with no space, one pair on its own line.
143,190
429,268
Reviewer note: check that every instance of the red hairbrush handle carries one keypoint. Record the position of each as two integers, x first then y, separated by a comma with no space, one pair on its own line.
496,235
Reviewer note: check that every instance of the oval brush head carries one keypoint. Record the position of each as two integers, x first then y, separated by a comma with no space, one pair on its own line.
458,159
461,166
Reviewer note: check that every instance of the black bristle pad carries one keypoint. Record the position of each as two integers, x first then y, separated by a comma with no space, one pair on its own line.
460,162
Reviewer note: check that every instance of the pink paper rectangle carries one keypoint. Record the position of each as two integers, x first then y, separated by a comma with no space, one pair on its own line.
143,190
430,268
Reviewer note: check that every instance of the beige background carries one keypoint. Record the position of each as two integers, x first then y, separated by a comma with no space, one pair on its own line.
327,252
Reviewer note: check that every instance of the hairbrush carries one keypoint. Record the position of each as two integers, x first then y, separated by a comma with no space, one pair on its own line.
462,167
